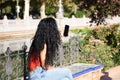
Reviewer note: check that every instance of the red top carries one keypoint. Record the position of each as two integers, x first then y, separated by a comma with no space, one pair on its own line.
34,63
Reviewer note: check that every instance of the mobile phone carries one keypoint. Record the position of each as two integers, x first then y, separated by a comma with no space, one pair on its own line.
66,31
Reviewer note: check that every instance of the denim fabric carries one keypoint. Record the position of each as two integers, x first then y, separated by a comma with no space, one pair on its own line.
53,74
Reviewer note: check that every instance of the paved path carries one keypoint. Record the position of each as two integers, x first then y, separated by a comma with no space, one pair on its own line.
114,73
5,36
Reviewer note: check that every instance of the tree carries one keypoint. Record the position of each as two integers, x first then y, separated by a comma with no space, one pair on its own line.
46,2
99,9
70,8
10,10
7,9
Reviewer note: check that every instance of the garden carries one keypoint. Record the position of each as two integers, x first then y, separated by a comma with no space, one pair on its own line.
99,45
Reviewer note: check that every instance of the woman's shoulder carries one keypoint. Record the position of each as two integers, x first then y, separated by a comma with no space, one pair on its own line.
59,69
60,73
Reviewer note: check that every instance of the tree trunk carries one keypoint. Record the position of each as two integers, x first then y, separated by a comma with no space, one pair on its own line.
42,10
26,12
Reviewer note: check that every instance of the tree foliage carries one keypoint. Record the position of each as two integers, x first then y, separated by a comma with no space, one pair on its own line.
97,10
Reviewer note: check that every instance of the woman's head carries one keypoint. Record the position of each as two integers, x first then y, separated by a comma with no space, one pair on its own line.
47,33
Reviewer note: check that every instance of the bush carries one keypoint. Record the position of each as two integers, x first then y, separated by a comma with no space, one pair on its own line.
100,45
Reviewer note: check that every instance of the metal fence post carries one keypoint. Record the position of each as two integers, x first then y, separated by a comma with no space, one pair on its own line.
8,63
24,48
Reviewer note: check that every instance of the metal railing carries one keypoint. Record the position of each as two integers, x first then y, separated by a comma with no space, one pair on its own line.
13,63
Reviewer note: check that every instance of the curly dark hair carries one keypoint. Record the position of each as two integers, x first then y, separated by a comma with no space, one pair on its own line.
47,33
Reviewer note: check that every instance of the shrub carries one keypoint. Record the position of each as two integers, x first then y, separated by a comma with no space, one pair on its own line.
104,48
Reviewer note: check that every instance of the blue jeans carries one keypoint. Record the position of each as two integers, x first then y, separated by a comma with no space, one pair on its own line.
53,74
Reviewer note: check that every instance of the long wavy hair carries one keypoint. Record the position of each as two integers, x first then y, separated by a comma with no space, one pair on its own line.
47,33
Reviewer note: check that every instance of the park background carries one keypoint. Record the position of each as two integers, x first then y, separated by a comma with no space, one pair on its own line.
98,44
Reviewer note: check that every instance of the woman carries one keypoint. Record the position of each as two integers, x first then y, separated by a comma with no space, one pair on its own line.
43,51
